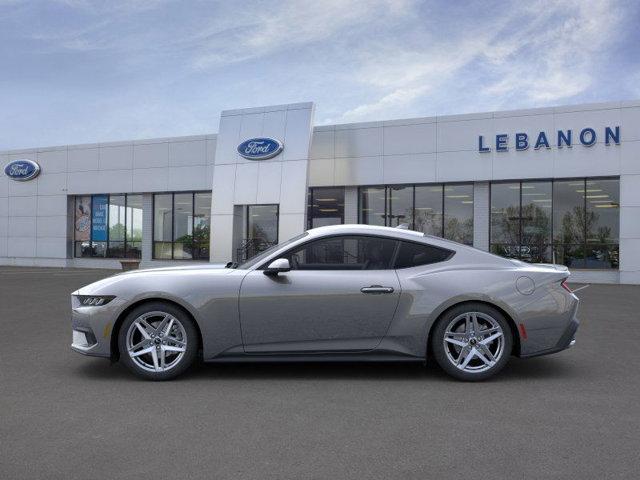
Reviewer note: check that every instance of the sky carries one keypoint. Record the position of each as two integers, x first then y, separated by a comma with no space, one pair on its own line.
80,71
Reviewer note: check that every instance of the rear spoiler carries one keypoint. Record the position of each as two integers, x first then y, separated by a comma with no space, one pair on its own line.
559,268
555,266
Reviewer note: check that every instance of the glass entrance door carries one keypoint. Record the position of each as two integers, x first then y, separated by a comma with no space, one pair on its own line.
261,230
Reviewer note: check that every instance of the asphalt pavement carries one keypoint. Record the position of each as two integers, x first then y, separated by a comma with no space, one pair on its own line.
575,414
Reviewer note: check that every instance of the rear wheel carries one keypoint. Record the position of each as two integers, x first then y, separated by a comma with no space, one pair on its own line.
472,341
158,341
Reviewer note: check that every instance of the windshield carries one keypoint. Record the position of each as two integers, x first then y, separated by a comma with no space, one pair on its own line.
264,254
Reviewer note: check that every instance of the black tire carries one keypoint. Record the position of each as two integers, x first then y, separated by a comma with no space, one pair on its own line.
446,360
184,320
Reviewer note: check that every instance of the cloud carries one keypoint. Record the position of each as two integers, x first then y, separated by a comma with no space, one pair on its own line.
288,24
398,98
553,60
541,53
120,69
406,76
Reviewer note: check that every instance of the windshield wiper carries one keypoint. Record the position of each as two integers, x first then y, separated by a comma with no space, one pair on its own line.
231,265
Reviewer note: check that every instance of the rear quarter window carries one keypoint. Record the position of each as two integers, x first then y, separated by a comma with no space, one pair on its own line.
416,254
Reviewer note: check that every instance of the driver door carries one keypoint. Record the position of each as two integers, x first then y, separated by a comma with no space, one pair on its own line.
340,296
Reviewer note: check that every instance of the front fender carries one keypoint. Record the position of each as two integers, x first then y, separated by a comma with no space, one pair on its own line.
209,296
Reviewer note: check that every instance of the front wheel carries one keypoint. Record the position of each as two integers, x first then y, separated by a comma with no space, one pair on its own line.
158,341
472,342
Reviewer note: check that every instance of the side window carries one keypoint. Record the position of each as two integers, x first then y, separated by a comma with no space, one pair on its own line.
415,254
344,253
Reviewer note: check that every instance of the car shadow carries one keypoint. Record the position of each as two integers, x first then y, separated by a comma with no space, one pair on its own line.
516,370
552,367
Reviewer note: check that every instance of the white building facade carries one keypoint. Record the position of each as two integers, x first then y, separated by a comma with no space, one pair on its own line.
543,185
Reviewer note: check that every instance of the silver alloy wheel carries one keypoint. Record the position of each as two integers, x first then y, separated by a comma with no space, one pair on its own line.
156,341
474,342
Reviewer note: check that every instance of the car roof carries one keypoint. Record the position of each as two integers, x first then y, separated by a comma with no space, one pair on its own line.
397,233
358,229
411,235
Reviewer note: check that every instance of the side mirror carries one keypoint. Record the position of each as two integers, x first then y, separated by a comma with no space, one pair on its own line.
277,266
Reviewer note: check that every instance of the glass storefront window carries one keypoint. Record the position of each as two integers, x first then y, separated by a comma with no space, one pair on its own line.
536,201
325,207
372,206
134,226
116,226
568,212
603,211
428,209
162,225
440,210
602,199
571,222
262,224
181,225
400,206
82,226
108,226
201,225
505,219
458,213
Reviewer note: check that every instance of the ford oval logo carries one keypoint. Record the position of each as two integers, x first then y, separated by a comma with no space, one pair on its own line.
22,170
260,148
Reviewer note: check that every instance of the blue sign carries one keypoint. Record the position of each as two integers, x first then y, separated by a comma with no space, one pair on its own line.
99,205
260,148
22,170
587,137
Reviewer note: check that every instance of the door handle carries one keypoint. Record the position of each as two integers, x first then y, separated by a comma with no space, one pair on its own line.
376,289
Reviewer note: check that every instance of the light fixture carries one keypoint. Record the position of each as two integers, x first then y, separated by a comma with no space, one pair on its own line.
94,300
597,196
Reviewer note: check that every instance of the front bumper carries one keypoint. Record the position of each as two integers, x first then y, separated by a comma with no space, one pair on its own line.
92,327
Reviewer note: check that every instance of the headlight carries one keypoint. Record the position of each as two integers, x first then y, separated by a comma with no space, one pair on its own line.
94,300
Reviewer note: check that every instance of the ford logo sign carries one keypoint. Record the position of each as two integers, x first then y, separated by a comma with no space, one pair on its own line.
22,170
260,148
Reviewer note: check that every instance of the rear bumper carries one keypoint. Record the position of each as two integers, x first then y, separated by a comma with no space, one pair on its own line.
567,340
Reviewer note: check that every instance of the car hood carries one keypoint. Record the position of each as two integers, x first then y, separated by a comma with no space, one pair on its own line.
118,282
176,268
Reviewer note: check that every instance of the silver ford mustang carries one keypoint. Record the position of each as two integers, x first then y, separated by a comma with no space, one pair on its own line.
339,293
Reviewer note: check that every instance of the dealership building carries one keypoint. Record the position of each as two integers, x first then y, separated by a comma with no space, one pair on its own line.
559,184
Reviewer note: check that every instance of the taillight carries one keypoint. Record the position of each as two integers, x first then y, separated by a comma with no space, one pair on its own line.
564,285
